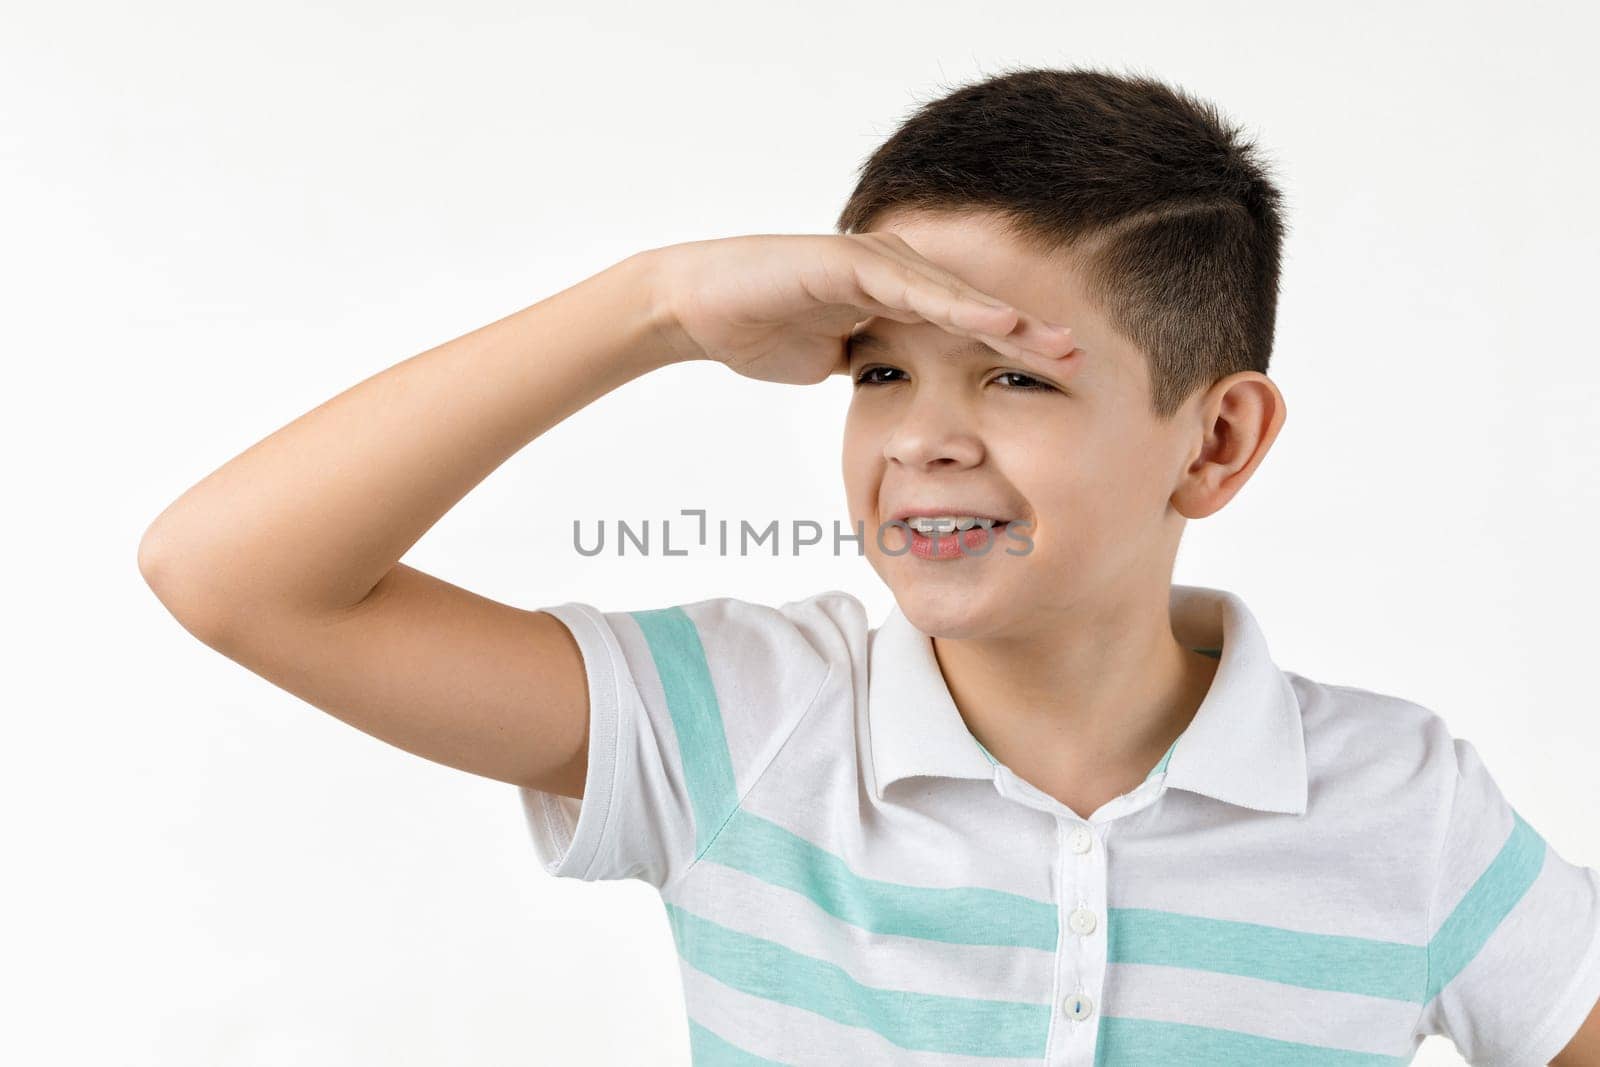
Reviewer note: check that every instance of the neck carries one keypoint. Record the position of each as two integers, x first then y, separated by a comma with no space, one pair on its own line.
1088,696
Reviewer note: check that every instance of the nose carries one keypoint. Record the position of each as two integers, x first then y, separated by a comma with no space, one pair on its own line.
934,432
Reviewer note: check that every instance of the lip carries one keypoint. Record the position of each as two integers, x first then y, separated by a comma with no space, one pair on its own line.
947,509
956,545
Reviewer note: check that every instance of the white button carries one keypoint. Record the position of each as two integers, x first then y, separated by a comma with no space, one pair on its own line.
1081,840
1081,921
1078,1005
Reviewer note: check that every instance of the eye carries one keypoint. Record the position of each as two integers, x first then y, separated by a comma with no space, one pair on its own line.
865,377
1026,383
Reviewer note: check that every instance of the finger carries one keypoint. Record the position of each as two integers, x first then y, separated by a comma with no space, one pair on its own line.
973,313
1044,338
1033,357
1030,331
897,246
909,296
893,244
993,326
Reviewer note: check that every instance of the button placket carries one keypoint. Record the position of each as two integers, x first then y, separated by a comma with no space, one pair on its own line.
1089,920
1081,965
1083,871
1080,1002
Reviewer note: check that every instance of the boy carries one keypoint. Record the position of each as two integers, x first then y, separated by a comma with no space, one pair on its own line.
1054,809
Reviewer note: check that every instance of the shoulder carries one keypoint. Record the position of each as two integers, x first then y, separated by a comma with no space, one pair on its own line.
1378,748
831,609
817,631
1350,714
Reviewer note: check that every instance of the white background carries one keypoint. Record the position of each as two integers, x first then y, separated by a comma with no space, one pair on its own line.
217,217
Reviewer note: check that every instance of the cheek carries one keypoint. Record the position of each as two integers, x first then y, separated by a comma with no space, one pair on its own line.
856,429
1149,470
1081,492
858,471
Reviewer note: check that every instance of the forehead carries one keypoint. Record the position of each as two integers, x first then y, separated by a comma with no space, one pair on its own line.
977,247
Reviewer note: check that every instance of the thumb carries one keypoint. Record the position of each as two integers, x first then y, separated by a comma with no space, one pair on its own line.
842,365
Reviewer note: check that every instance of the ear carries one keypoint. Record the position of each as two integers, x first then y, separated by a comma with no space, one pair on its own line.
1235,423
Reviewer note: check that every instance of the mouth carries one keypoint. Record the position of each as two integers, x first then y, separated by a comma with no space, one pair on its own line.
951,535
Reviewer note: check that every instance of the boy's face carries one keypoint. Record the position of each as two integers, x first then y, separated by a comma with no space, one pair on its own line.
1084,462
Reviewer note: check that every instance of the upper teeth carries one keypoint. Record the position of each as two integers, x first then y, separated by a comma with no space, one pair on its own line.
928,524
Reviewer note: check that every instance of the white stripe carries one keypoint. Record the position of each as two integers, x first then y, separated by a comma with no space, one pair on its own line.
1254,1006
792,1035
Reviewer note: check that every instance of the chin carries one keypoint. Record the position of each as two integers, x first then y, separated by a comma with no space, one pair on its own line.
952,614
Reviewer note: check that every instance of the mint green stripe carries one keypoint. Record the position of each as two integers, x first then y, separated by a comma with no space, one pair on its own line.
1490,900
962,915
1166,758
1139,1042
926,1022
707,1049
1161,764
985,751
1336,962
680,662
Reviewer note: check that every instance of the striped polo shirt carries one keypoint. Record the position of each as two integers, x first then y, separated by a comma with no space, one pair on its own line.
1313,874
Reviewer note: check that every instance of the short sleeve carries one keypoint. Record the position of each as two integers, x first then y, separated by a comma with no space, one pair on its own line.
688,705
1513,956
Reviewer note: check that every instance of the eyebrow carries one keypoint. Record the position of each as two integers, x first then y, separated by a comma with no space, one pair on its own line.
866,339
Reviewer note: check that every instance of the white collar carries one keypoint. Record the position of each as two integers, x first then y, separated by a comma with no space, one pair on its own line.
1245,745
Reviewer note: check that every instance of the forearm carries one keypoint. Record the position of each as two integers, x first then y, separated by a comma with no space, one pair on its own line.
312,517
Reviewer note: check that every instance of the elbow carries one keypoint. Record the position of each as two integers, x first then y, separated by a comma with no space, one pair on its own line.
164,565
152,562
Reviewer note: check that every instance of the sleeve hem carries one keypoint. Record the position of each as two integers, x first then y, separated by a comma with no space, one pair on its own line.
1571,1008
570,849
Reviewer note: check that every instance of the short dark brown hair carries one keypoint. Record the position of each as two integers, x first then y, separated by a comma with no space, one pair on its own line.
1173,220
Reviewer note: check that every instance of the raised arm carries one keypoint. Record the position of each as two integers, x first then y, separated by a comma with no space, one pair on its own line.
285,558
